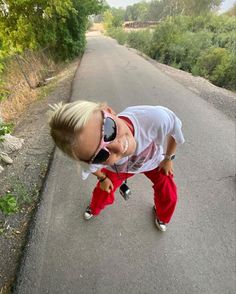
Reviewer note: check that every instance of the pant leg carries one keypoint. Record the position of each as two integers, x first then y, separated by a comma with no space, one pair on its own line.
100,199
165,194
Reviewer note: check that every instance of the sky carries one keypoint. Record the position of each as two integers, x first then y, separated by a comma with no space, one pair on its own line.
123,3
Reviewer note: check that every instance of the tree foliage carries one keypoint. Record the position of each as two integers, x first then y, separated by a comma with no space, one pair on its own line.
57,24
155,10
160,9
203,45
138,11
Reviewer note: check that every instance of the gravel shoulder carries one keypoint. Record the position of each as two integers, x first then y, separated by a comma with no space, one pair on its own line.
29,169
28,172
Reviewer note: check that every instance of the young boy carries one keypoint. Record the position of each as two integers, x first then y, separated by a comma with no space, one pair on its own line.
115,147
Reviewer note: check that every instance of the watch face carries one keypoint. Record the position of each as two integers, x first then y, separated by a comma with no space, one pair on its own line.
172,157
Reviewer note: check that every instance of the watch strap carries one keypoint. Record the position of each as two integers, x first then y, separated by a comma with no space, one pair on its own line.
169,157
102,178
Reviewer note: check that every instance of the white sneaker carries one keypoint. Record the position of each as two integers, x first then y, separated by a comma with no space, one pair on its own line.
160,225
88,214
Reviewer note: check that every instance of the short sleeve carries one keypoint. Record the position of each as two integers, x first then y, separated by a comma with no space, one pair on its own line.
176,132
87,169
169,124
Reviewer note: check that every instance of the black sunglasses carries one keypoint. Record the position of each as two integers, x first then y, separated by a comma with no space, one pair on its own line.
109,132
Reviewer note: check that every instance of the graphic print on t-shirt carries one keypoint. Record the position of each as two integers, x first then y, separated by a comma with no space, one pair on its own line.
136,161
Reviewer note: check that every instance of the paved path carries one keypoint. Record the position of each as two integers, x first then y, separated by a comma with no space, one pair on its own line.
121,251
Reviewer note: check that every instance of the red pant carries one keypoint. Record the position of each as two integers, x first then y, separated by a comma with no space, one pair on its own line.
165,194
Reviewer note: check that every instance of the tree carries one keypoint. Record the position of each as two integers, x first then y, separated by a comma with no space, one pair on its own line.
138,11
113,17
108,19
160,9
192,7
118,16
52,23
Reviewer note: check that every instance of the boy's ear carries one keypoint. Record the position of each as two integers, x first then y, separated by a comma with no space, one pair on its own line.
109,110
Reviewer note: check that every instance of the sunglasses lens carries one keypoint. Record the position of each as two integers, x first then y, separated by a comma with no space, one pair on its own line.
109,130
101,156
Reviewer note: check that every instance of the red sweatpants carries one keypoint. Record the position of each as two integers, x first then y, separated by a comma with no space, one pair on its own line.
165,193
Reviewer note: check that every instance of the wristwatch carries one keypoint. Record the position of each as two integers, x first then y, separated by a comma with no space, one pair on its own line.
169,157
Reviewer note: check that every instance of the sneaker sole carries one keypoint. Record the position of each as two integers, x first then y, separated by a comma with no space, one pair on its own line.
157,223
88,216
159,227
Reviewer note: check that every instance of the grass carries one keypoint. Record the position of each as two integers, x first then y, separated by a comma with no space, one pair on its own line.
17,197
44,91
15,92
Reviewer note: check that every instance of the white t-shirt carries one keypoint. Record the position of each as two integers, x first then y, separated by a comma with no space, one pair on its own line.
151,126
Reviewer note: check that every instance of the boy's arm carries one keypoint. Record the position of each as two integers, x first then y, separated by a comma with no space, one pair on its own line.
105,182
99,174
171,127
167,164
171,147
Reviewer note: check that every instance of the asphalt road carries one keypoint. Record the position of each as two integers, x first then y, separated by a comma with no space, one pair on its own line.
121,251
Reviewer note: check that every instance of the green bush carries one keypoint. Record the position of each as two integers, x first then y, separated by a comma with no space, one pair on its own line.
203,45
140,40
226,40
164,35
225,73
187,48
219,66
118,34
175,43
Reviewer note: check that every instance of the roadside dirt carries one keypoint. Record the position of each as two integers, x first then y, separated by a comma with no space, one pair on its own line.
27,173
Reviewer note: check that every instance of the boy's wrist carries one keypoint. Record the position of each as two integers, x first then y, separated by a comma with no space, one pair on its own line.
169,156
101,178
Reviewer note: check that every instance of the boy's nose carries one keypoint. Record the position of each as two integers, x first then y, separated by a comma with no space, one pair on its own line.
115,146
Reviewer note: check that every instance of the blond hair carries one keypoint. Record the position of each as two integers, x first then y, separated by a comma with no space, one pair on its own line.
66,120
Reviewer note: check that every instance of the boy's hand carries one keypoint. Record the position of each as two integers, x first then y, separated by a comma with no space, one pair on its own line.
167,166
107,185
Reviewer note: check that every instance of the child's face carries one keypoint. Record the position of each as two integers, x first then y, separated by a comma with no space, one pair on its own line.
89,139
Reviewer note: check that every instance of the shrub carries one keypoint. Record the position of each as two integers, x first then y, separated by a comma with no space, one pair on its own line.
187,48
225,73
204,45
165,34
140,40
119,34
226,40
218,65
173,45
